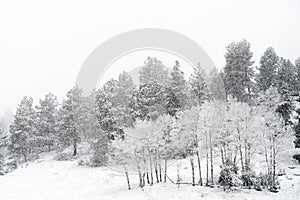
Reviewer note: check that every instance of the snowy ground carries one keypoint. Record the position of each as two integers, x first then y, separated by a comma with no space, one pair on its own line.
48,179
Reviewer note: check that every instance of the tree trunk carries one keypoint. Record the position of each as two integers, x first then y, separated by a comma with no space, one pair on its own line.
151,172
207,168
274,168
159,166
166,166
127,177
240,150
156,173
160,175
75,147
211,160
148,180
274,165
249,155
145,164
156,167
225,153
199,167
246,157
143,180
222,157
193,171
271,166
25,157
140,178
267,161
178,177
235,156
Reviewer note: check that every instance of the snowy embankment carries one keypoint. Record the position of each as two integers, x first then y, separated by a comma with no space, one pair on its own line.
48,179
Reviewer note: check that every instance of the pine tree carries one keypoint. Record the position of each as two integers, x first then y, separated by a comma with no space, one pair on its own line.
178,85
150,101
23,130
91,132
106,110
199,87
297,77
153,71
286,78
172,102
1,146
286,86
4,141
122,99
267,70
297,131
238,73
215,84
297,125
47,121
71,118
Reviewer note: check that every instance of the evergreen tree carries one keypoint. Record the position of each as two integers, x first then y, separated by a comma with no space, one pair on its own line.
4,140
199,87
297,131
173,104
47,121
122,99
178,87
1,145
238,73
106,110
297,78
23,130
216,85
297,126
150,101
71,119
267,70
89,126
153,71
286,78
286,86
92,133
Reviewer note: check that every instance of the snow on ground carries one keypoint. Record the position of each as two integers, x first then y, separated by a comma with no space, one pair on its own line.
48,179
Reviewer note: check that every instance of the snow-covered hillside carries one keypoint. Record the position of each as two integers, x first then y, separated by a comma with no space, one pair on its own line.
47,179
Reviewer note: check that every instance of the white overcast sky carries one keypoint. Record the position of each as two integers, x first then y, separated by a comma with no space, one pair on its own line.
44,43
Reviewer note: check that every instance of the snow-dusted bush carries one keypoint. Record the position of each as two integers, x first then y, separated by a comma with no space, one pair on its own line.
9,165
64,157
229,175
297,157
249,178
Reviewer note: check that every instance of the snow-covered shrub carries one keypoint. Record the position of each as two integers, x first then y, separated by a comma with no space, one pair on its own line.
228,175
297,157
261,182
9,165
249,178
64,157
84,162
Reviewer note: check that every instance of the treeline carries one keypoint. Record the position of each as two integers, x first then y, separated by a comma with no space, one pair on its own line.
182,114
